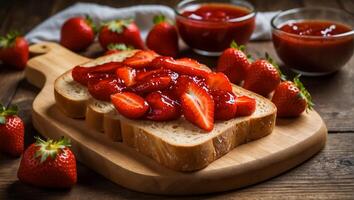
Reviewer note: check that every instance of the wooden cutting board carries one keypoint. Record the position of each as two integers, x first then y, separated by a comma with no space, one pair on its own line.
292,142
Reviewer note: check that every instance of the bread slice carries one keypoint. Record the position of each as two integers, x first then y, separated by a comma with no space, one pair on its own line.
72,97
177,144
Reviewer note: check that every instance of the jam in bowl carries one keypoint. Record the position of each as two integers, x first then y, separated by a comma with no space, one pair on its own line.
209,27
313,41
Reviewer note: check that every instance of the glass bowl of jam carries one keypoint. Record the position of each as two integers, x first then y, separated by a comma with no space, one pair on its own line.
208,27
313,41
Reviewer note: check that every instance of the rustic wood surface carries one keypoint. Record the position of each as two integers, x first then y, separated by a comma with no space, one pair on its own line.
328,175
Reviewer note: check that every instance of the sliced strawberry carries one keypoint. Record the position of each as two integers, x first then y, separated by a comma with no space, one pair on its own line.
130,104
198,107
190,62
162,108
146,75
183,82
141,59
83,74
225,104
127,75
245,106
152,85
181,66
102,89
218,81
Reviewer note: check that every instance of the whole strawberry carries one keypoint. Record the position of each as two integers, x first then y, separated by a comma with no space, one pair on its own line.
77,33
163,37
291,98
14,50
121,31
11,131
48,164
234,63
263,76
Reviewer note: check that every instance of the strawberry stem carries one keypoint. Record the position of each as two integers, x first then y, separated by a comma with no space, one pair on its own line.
271,61
50,148
304,93
12,110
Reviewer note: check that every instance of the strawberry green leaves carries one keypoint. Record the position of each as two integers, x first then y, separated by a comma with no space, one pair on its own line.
118,26
8,40
12,110
119,46
303,92
50,148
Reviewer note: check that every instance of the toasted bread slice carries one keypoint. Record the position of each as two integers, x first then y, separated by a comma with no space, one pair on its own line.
72,97
177,144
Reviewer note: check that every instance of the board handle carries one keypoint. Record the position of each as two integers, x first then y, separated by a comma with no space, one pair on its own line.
49,61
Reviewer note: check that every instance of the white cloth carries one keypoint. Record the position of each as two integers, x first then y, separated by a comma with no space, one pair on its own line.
49,30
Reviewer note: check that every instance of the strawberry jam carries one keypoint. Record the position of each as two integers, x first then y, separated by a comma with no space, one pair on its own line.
152,87
315,47
211,27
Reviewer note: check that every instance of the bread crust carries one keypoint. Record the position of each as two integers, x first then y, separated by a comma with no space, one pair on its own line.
71,108
174,156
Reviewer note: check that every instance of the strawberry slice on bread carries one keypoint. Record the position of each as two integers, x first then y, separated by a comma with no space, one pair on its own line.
198,107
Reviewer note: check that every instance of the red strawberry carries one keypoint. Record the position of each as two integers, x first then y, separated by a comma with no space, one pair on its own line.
116,48
198,107
263,77
77,33
14,50
291,98
234,63
130,104
103,89
11,131
152,73
218,81
121,31
163,37
152,85
127,75
162,107
49,164
225,104
181,66
83,74
141,59
245,106
183,82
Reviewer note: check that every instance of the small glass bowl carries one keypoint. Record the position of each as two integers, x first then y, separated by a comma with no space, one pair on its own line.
210,38
313,55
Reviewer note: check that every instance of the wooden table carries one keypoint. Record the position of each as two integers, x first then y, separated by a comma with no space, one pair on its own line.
328,175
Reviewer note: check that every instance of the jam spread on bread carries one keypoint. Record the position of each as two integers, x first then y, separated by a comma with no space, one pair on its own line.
158,88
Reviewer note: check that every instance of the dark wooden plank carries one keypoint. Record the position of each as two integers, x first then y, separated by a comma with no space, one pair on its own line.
324,3
8,83
328,175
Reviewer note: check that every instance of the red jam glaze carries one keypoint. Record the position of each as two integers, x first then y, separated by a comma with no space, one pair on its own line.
320,54
155,92
211,28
